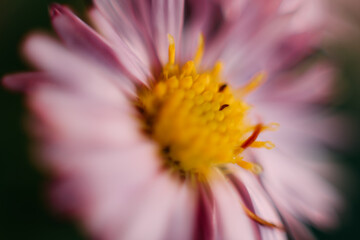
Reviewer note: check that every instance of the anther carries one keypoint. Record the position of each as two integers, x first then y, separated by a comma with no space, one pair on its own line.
222,87
253,136
166,149
250,139
223,107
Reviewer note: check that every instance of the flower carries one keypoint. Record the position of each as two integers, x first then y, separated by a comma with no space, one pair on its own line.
164,126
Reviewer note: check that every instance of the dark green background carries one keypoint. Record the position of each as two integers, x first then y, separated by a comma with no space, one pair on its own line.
23,210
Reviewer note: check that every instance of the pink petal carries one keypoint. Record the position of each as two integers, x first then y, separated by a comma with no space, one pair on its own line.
297,229
122,16
75,71
263,206
232,220
298,188
84,122
182,222
308,14
151,217
206,224
315,85
198,22
167,18
297,119
80,37
25,81
132,62
100,178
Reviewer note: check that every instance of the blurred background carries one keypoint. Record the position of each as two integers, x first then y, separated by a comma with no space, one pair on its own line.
24,213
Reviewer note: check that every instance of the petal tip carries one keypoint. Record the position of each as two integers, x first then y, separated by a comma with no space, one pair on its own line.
6,82
55,10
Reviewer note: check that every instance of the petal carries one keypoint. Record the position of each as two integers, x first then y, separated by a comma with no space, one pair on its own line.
263,206
75,71
197,21
308,124
297,187
25,81
122,17
100,178
296,228
206,224
80,37
314,86
232,220
181,224
151,218
82,121
130,61
167,18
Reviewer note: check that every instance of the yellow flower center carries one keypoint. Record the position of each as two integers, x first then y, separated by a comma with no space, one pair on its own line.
198,120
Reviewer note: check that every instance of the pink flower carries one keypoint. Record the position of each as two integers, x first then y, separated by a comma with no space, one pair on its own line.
160,126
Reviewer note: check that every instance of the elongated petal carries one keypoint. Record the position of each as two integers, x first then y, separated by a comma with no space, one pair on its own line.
167,18
206,223
83,121
131,61
263,205
100,178
25,81
80,37
151,218
232,220
74,71
182,221
122,17
294,190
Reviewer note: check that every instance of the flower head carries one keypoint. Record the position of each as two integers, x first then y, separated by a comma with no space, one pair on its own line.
164,126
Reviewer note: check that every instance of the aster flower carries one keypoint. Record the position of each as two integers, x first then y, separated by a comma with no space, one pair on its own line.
164,124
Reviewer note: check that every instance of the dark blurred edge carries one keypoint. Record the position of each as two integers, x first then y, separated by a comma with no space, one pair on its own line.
23,212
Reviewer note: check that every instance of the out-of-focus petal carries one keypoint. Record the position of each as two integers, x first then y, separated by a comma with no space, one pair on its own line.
128,58
196,22
80,37
122,16
75,71
182,222
99,180
314,86
292,185
206,223
167,18
263,206
25,81
84,122
150,220
231,218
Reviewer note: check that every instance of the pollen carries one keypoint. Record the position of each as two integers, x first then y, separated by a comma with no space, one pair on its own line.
198,120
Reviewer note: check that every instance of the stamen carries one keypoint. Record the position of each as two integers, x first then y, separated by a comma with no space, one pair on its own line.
222,87
200,50
259,220
253,84
271,126
217,68
223,107
208,122
263,144
171,49
252,167
250,139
